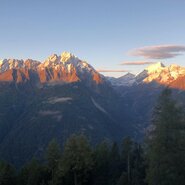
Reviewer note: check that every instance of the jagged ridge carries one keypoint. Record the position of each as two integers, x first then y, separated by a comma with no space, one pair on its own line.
64,68
165,75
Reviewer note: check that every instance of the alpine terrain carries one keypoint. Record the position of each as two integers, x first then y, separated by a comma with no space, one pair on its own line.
64,95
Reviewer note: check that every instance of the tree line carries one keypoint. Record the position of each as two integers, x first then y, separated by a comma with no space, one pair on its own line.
81,164
160,160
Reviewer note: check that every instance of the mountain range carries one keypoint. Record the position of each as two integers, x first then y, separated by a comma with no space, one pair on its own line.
64,95
164,75
65,68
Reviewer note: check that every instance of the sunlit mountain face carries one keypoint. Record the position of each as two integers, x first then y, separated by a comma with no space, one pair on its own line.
68,68
56,98
64,95
64,68
162,75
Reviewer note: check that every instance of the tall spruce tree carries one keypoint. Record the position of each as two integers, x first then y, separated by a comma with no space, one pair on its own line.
114,164
102,161
7,174
138,166
32,173
77,159
127,159
53,156
166,144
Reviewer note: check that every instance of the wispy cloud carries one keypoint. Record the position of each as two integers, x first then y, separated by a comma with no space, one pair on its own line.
159,51
111,71
137,63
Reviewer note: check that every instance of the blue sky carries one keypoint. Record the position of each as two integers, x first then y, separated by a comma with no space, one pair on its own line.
103,32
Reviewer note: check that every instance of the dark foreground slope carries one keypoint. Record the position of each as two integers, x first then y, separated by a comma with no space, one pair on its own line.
31,116
65,95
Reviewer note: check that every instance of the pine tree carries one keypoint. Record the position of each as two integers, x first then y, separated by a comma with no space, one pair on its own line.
114,164
77,159
133,164
53,156
32,173
138,166
7,174
102,160
166,144
126,157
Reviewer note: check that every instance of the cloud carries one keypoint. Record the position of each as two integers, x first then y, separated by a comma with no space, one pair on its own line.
159,51
111,71
137,63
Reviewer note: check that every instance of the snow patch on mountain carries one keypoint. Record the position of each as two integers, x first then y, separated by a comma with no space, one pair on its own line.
53,114
65,68
99,107
66,56
7,64
164,75
157,72
55,100
157,67
48,113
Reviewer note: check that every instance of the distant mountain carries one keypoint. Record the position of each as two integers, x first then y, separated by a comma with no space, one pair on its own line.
154,73
56,98
126,80
141,95
55,69
164,75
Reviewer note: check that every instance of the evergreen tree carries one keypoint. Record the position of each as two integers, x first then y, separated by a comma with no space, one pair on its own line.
138,166
114,164
133,163
77,159
32,173
166,144
101,169
123,180
7,174
53,156
126,157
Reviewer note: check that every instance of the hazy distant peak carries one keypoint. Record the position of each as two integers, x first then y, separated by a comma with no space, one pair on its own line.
129,74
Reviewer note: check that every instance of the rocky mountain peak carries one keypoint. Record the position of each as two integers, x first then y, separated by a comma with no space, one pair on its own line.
66,56
164,75
157,72
65,68
155,67
53,57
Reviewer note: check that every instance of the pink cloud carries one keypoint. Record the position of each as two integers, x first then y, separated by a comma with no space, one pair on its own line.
159,51
110,71
137,63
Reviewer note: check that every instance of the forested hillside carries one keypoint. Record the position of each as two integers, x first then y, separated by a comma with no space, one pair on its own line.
158,160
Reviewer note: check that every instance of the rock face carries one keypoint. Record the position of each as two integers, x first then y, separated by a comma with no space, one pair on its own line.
55,69
179,83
